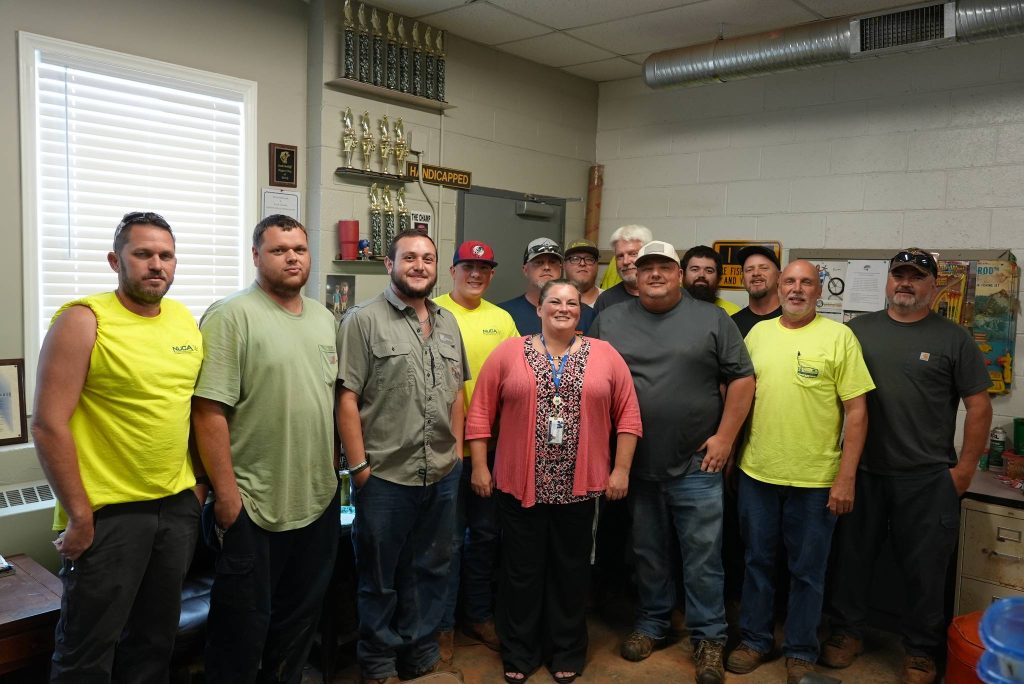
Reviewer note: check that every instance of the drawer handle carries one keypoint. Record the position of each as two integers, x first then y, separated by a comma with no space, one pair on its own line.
1004,534
992,553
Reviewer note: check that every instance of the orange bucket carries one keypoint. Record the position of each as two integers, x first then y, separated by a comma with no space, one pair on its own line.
965,649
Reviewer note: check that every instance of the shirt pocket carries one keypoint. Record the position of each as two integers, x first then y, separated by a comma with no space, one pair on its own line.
329,363
392,365
928,368
810,372
452,360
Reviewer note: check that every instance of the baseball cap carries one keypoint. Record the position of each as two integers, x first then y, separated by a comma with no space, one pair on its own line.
657,248
766,252
541,246
915,258
474,250
583,246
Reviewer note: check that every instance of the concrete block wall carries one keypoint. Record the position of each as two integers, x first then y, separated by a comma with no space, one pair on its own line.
516,126
914,149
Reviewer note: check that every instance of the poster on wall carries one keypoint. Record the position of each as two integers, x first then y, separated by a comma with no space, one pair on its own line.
832,274
422,221
277,201
864,287
339,294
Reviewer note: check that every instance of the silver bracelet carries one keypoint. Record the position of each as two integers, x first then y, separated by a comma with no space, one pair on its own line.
352,470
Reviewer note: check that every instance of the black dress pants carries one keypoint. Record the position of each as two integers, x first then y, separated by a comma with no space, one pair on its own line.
543,584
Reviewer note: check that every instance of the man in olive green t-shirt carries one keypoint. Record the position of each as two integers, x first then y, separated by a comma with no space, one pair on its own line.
263,420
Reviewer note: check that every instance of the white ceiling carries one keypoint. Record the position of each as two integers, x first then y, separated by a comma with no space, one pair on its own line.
605,40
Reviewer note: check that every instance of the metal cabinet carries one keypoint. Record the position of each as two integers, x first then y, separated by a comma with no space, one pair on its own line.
990,564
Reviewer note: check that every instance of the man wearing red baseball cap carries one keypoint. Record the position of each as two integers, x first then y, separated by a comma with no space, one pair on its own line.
484,326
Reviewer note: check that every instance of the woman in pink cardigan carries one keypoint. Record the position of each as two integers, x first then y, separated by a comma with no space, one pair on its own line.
554,400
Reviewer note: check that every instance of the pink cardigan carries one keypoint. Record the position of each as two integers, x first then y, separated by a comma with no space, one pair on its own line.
506,389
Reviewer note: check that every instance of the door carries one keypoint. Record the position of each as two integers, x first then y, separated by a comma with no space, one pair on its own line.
499,218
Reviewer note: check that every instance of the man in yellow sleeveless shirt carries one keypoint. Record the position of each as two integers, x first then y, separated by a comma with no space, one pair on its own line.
111,426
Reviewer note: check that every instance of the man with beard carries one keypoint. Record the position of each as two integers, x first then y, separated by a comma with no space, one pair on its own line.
400,417
626,242
910,478
542,261
110,424
262,418
702,269
760,269
581,269
795,478
483,326
679,351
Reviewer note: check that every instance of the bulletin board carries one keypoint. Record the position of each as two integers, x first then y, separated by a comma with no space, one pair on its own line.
978,289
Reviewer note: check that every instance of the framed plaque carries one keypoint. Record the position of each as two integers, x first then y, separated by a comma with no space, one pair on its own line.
13,419
284,162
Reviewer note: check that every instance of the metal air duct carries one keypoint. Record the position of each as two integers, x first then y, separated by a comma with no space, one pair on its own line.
832,40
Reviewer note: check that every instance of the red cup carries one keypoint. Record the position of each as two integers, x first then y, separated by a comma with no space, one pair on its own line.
348,239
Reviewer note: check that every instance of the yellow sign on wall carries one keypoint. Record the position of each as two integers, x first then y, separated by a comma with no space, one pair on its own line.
732,270
439,175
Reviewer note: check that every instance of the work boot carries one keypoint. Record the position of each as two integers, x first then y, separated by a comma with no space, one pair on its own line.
841,650
708,659
918,670
637,646
484,632
796,668
446,643
744,659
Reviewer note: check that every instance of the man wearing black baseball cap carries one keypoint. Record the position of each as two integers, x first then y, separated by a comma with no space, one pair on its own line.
760,269
542,261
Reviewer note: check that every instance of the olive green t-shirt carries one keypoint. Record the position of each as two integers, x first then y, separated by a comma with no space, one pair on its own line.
275,371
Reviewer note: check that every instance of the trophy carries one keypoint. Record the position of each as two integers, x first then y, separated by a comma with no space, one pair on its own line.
401,147
404,220
348,55
367,140
391,71
385,145
439,90
364,46
417,60
348,138
389,218
378,49
429,65
404,81
376,225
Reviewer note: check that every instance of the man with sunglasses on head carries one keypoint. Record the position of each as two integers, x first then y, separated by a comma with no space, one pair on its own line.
111,425
910,479
542,261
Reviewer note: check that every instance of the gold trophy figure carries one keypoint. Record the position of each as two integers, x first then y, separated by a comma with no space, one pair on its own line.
385,144
348,55
401,147
376,225
348,138
389,217
404,219
367,142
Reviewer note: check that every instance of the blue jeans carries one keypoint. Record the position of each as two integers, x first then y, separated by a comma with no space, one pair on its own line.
402,540
691,507
474,553
800,517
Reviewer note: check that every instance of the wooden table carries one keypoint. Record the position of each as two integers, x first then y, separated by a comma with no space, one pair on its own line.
29,608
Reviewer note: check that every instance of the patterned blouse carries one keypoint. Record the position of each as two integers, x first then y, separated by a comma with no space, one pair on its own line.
556,463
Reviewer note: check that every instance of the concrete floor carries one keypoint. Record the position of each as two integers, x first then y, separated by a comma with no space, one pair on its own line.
879,665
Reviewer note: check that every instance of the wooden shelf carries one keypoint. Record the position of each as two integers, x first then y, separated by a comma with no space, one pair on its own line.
367,177
353,86
360,265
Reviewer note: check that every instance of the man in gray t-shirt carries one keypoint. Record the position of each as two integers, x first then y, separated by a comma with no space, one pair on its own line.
910,477
679,351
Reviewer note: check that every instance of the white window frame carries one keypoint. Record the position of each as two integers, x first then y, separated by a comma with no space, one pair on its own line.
28,45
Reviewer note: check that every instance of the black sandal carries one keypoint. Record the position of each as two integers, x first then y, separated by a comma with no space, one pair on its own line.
566,679
509,672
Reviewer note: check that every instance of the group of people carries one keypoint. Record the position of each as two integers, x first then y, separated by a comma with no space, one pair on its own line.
481,440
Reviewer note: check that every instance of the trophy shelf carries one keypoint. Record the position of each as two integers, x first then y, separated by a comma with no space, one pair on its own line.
367,177
360,265
353,86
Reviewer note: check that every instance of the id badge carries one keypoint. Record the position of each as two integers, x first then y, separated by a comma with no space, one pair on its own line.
556,429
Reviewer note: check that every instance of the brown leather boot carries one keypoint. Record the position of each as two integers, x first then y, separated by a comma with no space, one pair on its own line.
841,650
918,670
446,642
484,632
796,668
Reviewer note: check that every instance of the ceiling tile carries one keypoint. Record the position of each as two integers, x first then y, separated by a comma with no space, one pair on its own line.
485,24
639,57
692,24
555,49
842,8
605,70
413,8
563,14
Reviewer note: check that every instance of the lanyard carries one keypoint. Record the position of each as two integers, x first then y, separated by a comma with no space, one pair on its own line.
556,372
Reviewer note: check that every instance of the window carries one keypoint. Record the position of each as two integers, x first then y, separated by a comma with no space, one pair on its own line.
105,133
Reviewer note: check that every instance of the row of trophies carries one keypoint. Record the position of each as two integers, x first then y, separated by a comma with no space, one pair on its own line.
383,216
396,148
412,62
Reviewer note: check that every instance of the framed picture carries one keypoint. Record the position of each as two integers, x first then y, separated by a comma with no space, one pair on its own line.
284,164
339,294
13,421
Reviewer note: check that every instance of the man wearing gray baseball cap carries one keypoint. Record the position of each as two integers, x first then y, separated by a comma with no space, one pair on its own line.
542,261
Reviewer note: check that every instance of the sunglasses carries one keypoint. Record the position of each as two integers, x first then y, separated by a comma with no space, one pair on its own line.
142,217
922,260
541,249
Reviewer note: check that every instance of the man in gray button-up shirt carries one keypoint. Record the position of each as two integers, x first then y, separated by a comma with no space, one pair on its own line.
400,417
